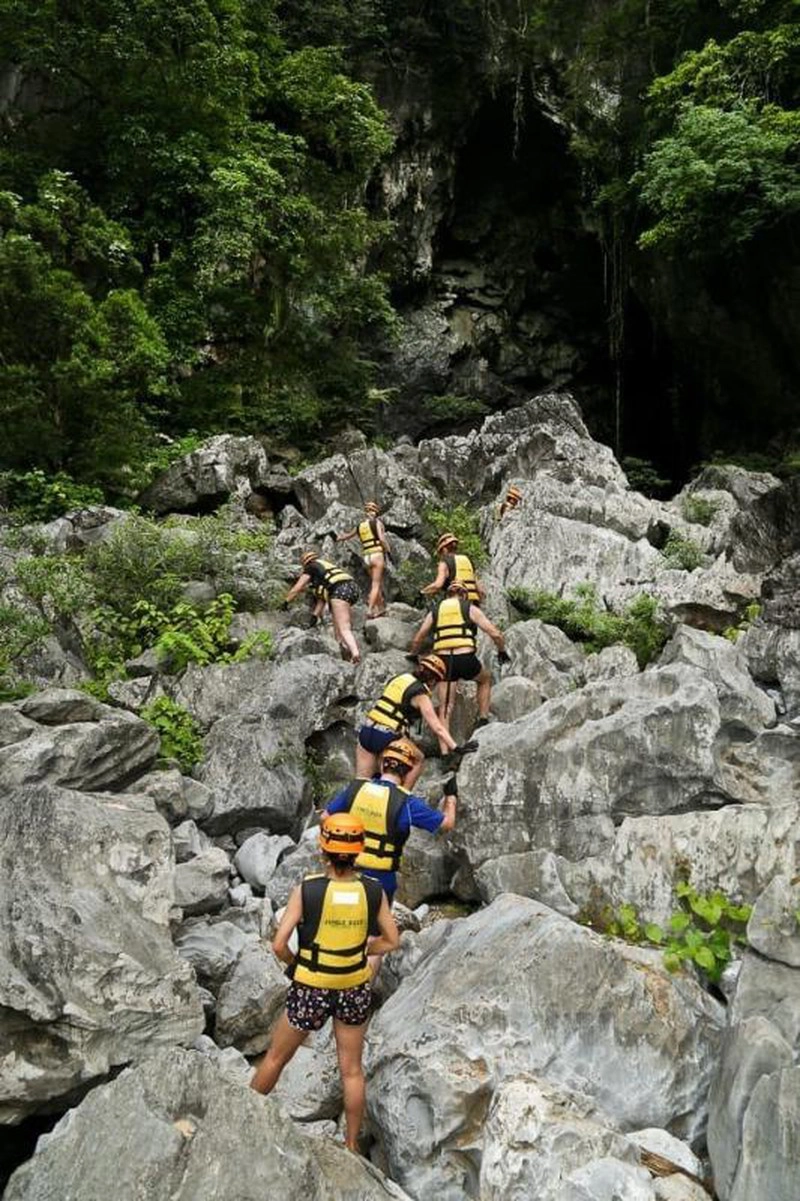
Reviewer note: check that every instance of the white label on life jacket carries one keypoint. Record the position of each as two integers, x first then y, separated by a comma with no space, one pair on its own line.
345,898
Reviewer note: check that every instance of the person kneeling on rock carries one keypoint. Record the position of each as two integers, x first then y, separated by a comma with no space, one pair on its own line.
454,623
335,912
388,811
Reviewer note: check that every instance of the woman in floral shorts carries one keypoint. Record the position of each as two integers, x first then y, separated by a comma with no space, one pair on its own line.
334,912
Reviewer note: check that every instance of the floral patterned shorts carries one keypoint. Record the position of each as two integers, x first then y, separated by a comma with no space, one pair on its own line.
309,1008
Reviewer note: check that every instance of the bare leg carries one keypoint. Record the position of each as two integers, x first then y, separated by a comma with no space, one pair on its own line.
366,763
349,1046
340,613
376,603
285,1041
484,682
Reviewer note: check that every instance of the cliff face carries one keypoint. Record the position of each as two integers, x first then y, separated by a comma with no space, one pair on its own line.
505,278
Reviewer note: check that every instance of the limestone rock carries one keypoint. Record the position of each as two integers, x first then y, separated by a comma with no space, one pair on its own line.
14,727
515,696
770,990
725,664
223,467
292,869
774,929
401,493
84,755
189,841
166,790
427,868
174,1126
780,594
258,857
751,1049
662,1143
608,1180
212,948
535,1135
545,996
609,663
310,1087
89,978
201,884
773,658
545,656
58,706
250,1000
770,1140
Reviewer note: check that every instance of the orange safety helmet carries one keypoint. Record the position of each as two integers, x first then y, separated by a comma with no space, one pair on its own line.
341,834
308,557
446,540
402,750
436,666
513,496
372,508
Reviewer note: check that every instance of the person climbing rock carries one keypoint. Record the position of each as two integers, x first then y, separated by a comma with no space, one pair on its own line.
376,550
404,698
512,500
388,810
454,623
453,566
338,589
334,912
318,604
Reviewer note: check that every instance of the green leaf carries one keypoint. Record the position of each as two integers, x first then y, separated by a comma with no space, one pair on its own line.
654,933
704,958
679,922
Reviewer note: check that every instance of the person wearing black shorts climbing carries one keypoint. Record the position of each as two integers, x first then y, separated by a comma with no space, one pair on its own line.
404,698
338,589
335,913
454,623
375,548
454,566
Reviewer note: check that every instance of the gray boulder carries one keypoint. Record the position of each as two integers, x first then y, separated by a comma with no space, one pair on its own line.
212,948
58,706
609,663
725,664
395,484
608,1179
427,868
292,869
547,997
188,841
515,696
85,755
223,468
89,978
545,656
773,658
770,1140
774,928
250,1000
201,884
172,1130
258,856
14,727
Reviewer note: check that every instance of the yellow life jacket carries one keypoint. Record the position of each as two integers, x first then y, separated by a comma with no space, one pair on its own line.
378,803
453,630
338,918
459,567
368,533
325,575
394,709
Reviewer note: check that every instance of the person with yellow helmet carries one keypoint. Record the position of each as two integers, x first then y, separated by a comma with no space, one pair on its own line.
338,589
454,566
404,698
454,623
513,499
335,914
388,810
375,548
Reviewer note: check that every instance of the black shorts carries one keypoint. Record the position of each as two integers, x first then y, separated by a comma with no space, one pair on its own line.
308,1008
347,590
462,667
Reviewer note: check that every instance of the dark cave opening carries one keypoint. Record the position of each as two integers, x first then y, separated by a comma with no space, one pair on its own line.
19,1142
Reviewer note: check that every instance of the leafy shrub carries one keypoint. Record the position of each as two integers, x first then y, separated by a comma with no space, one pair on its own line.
643,476
58,584
584,621
751,614
410,578
703,931
442,410
682,552
460,520
180,735
699,510
40,497
21,632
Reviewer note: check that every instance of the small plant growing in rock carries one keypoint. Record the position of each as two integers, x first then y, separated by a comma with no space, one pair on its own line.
180,735
681,552
751,614
643,476
699,510
21,633
583,620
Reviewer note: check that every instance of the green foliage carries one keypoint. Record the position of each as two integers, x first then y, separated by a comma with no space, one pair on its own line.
21,633
460,520
58,584
180,735
699,510
681,552
751,614
39,497
582,620
643,476
448,410
703,931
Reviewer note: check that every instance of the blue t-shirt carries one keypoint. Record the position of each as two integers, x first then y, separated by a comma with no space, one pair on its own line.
415,812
